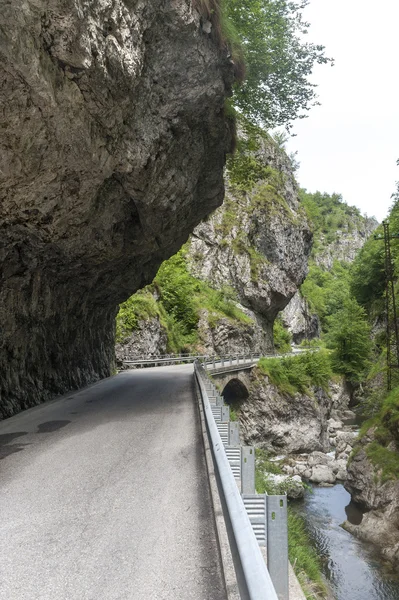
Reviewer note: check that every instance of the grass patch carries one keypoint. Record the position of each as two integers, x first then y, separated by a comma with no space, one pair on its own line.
256,262
390,413
382,451
269,198
304,558
233,413
230,217
299,373
384,459
244,168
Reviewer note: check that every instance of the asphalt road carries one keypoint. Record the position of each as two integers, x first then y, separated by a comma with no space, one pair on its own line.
104,495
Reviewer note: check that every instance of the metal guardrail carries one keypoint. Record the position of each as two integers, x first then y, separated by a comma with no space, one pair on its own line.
207,359
162,359
253,578
251,519
210,361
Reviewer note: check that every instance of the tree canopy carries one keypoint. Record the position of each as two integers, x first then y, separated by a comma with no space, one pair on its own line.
349,338
276,89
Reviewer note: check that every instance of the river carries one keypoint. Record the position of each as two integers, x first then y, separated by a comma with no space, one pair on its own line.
353,569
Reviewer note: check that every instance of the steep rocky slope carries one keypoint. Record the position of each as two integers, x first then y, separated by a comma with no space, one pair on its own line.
112,149
295,408
253,250
378,494
257,242
373,476
290,423
340,231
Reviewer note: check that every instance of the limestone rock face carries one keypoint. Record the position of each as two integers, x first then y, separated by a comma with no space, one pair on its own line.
283,424
380,525
257,243
347,243
148,339
112,149
225,337
299,320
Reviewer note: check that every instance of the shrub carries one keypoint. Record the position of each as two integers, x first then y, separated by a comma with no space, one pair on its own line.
294,374
139,307
384,459
282,337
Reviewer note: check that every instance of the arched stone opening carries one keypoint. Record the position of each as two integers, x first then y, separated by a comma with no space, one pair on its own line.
235,391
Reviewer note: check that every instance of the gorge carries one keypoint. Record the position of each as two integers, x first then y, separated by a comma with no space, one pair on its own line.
145,197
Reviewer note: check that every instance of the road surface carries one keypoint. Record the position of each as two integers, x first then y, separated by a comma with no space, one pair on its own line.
104,495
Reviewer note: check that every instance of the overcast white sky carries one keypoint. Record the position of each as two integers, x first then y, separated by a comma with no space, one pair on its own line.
350,143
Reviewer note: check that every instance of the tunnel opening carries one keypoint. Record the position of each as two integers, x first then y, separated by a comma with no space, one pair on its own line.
235,392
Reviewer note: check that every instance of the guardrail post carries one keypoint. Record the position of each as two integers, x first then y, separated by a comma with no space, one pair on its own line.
238,360
277,543
213,361
230,361
225,413
248,470
222,361
234,433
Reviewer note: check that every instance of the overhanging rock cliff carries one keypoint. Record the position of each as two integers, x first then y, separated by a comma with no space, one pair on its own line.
240,267
259,241
112,148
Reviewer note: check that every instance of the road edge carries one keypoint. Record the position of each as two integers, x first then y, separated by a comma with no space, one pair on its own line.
226,559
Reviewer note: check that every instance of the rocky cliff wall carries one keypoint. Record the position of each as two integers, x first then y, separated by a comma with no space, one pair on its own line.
307,432
300,321
347,241
258,242
289,424
112,149
253,251
378,496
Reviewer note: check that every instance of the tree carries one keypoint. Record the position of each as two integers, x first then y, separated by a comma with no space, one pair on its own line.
368,275
276,89
349,338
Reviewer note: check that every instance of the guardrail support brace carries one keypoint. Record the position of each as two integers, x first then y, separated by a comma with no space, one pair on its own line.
234,433
248,470
277,544
225,413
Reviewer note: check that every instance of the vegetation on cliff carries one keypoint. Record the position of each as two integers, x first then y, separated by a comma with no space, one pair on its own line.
339,233
298,373
268,35
350,301
176,298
